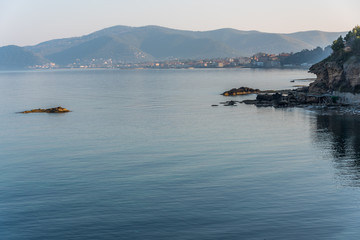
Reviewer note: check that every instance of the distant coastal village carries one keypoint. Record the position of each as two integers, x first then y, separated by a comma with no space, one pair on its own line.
258,60
303,59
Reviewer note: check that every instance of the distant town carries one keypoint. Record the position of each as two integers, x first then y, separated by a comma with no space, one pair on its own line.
260,60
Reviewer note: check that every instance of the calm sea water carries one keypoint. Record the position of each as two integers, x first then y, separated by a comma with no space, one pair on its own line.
143,155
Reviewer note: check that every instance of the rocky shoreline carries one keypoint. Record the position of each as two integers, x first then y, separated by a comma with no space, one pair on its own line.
300,97
337,83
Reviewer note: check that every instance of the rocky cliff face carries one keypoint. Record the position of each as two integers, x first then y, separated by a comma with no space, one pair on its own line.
336,76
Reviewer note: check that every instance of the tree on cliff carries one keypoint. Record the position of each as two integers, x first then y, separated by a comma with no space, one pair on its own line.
344,48
353,35
353,40
338,44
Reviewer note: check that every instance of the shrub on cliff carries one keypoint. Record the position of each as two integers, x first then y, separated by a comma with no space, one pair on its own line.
344,48
338,44
352,35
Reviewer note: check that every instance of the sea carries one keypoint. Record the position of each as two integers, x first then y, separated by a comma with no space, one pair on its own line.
144,155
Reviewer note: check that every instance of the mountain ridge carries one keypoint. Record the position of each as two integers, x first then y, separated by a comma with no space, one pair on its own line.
148,43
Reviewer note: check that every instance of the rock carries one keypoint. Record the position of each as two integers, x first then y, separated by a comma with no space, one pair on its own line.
230,103
264,97
283,103
240,91
336,76
293,98
48,110
249,101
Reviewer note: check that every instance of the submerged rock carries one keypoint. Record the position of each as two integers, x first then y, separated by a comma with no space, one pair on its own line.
230,103
48,110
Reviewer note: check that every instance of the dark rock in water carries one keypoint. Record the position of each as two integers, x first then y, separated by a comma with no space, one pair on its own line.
249,101
230,103
294,98
264,97
240,91
48,110
277,96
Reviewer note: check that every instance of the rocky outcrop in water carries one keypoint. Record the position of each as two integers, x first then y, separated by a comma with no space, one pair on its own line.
300,97
48,110
240,91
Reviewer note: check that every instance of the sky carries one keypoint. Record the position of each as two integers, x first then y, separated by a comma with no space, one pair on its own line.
29,22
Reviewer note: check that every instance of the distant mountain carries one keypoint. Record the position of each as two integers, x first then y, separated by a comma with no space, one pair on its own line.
103,47
317,38
138,44
14,57
127,44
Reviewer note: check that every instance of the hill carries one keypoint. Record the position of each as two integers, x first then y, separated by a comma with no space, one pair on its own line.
14,57
103,47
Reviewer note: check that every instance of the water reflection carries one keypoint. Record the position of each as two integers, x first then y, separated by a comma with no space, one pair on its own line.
340,134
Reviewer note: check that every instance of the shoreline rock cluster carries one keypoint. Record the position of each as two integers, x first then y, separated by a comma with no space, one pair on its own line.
300,97
47,110
337,80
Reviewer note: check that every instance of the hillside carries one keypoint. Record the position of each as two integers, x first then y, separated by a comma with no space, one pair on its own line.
14,57
104,47
139,44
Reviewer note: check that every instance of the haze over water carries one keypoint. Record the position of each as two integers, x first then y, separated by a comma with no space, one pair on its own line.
143,155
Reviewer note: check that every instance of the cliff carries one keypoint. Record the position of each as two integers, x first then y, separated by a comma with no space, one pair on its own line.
340,71
336,76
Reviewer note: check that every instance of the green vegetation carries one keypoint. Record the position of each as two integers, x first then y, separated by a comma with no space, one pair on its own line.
338,44
352,35
353,40
347,47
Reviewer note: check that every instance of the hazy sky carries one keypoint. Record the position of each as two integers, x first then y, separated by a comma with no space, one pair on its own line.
28,22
